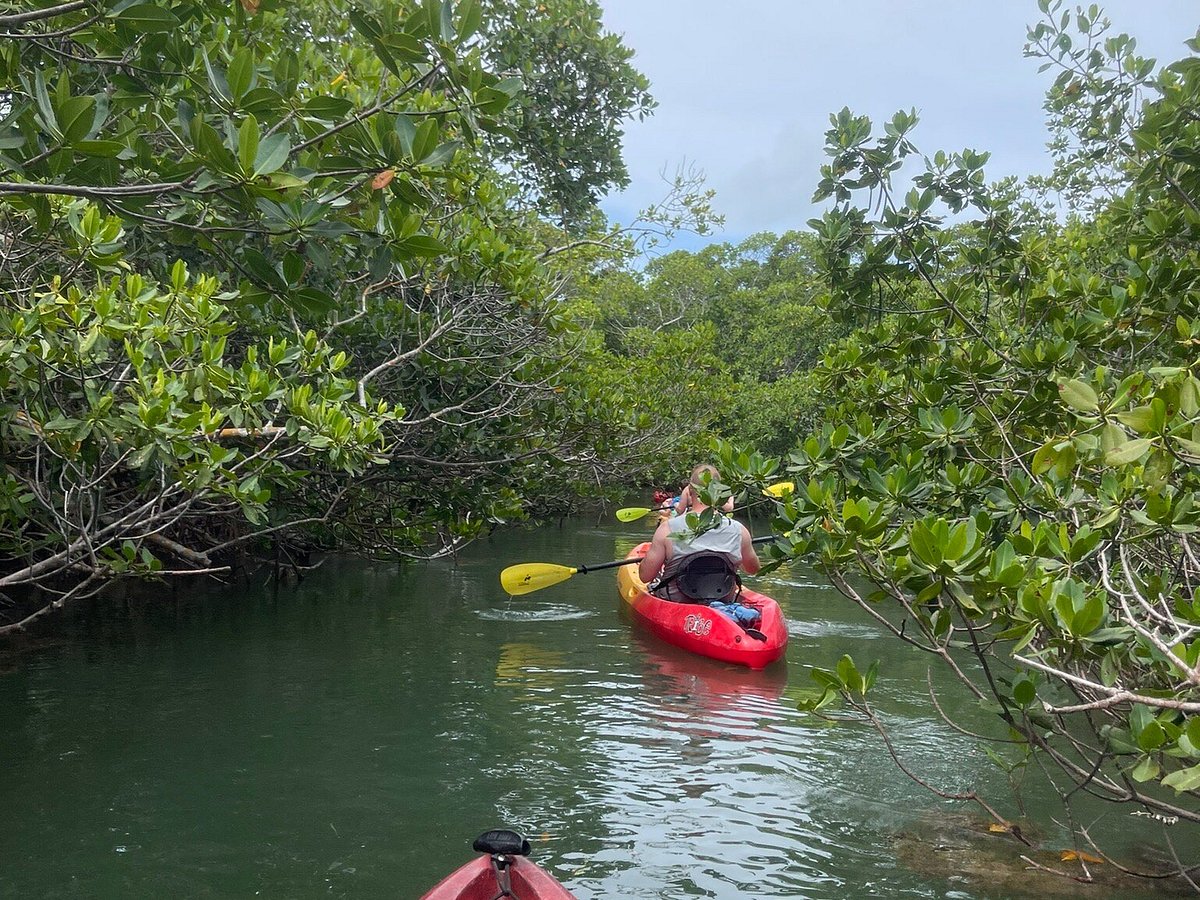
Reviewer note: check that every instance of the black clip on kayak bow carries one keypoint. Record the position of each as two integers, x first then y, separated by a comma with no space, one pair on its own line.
502,844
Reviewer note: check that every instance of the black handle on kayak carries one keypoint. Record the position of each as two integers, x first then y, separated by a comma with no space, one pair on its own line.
501,840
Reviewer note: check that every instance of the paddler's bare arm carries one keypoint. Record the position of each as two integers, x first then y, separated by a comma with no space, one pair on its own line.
750,563
656,556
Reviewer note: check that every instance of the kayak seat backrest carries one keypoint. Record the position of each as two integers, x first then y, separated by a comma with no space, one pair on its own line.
706,576
501,840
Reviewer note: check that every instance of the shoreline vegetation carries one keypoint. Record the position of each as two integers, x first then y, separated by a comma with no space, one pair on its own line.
262,303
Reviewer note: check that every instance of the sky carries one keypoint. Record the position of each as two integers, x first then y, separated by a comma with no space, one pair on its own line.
745,89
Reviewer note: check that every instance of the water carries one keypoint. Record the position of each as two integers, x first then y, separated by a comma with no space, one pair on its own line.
349,737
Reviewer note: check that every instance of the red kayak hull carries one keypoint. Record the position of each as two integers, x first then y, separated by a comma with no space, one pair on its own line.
699,629
477,881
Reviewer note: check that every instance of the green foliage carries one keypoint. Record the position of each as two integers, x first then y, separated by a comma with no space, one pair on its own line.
673,389
738,326
577,88
770,415
376,323
1010,464
131,384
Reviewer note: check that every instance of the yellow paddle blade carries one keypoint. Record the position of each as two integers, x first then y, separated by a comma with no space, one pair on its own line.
529,577
778,490
633,513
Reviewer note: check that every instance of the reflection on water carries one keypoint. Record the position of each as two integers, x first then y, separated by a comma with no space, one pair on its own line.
704,774
530,667
350,738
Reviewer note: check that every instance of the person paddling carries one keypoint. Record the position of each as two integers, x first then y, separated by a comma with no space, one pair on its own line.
687,497
688,567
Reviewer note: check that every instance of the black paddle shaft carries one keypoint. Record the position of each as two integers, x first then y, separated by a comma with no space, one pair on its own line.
583,570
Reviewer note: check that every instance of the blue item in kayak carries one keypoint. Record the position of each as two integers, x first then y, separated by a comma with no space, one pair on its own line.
745,616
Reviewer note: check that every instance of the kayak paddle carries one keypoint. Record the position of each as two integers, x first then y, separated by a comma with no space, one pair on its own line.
525,578
633,513
529,577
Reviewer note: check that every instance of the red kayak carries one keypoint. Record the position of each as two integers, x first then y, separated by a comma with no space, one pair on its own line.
502,872
701,629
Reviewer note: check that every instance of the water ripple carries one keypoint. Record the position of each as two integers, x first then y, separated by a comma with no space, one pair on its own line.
546,613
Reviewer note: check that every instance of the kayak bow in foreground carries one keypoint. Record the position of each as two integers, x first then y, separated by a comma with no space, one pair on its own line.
503,872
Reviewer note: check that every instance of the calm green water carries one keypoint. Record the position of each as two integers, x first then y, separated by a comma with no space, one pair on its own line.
351,736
